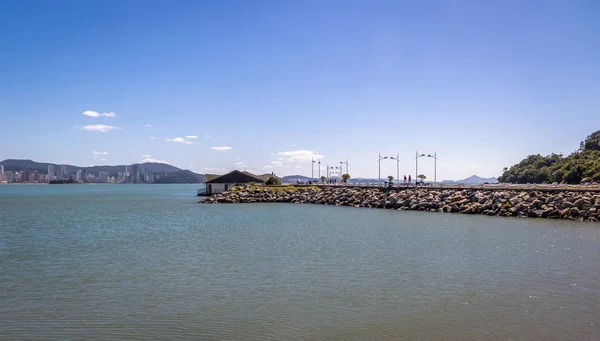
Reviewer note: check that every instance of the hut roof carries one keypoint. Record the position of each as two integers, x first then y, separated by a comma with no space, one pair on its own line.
234,177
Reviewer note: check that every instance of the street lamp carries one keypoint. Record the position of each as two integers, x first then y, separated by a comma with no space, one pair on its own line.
319,163
344,163
312,169
434,157
397,158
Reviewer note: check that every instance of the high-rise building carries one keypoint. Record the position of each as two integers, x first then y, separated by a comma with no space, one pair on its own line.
51,172
2,172
25,176
136,173
63,172
79,176
103,177
10,176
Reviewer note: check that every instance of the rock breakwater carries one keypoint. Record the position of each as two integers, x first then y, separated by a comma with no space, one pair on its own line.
582,206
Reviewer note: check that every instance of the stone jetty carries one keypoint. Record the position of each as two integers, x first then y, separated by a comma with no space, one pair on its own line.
574,205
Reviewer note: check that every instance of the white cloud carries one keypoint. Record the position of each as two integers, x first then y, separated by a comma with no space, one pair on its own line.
191,166
211,169
277,163
100,153
293,145
148,125
207,136
99,127
191,137
298,166
271,154
102,159
178,140
221,149
280,159
90,113
153,160
145,156
95,114
268,167
300,155
152,138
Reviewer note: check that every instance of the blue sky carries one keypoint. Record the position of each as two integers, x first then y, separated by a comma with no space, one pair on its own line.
266,85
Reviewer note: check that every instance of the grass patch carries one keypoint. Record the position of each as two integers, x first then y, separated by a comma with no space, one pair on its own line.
281,188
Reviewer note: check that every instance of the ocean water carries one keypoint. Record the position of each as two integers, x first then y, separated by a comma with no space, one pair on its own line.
146,262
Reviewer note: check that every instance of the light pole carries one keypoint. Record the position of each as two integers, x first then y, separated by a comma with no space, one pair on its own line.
319,163
397,158
434,157
312,169
417,156
344,163
380,158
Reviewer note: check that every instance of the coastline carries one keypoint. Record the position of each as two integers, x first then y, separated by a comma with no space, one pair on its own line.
555,204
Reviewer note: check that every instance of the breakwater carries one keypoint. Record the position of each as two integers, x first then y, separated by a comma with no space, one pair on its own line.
582,206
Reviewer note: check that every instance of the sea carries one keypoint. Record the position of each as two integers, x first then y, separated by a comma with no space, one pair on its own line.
147,262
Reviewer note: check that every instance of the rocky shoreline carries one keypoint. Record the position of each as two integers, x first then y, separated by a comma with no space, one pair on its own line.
582,206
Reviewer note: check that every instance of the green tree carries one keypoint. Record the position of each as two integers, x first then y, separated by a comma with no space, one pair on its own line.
390,178
273,181
422,177
323,178
345,177
592,142
572,169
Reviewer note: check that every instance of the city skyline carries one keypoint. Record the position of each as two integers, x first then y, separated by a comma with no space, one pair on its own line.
270,86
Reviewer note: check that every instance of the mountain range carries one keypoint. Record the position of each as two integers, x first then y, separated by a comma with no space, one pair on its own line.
472,180
171,174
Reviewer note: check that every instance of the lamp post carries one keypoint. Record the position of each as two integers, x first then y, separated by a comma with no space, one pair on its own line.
319,163
434,157
344,163
417,156
380,158
312,169
397,158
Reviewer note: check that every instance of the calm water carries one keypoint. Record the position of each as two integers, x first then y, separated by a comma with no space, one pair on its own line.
144,262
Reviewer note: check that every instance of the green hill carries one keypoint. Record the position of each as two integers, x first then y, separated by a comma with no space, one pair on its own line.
581,166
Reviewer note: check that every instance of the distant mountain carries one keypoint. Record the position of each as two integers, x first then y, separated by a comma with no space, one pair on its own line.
181,177
42,167
472,180
293,178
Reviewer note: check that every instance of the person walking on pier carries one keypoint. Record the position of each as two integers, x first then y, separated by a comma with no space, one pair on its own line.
404,180
409,179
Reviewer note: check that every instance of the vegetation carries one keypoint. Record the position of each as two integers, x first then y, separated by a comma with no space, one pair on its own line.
273,181
63,181
180,177
345,177
274,188
422,177
581,166
390,178
323,178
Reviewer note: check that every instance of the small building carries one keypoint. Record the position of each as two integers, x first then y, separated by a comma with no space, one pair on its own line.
225,182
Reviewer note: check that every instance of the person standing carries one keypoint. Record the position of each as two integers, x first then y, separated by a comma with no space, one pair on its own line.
405,180
409,179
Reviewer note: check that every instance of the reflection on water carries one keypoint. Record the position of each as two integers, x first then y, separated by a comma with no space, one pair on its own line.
147,263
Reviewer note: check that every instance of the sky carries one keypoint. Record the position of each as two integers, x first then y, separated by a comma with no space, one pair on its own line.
267,86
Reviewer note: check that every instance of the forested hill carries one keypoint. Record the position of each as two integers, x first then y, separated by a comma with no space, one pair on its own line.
580,166
16,165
